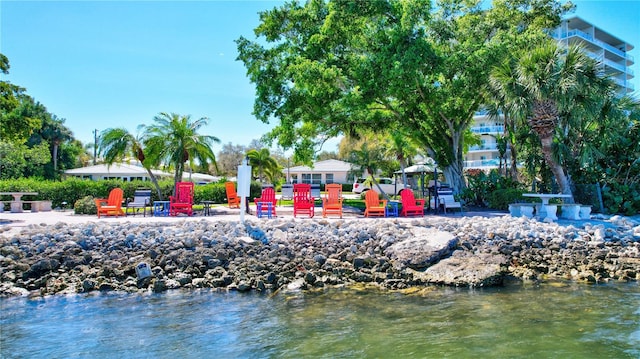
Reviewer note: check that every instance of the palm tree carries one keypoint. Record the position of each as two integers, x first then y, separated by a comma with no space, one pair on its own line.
509,100
402,149
55,132
116,143
370,159
262,163
174,139
550,79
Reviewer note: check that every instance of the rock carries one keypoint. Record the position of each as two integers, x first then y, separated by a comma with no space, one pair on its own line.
426,247
467,270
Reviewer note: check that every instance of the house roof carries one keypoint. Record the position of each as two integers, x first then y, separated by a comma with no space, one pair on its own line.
116,169
323,166
127,170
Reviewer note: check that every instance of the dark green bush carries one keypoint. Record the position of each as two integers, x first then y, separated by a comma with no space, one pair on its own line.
622,198
482,186
501,198
85,205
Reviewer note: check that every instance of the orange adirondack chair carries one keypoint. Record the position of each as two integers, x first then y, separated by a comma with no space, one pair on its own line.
182,202
374,205
332,200
410,205
268,195
302,201
111,206
232,195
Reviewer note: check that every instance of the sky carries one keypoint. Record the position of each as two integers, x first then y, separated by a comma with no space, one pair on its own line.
106,64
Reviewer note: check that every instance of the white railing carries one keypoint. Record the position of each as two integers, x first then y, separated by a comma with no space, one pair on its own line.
615,65
487,129
482,163
602,44
483,147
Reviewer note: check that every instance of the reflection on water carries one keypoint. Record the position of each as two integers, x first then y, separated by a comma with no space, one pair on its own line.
551,321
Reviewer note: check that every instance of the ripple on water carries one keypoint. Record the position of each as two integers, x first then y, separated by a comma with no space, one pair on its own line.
579,321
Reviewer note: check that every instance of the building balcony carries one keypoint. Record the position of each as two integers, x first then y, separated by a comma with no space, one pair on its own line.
487,129
493,163
485,147
602,44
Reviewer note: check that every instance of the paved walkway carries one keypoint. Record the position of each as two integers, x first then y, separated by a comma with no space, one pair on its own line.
13,222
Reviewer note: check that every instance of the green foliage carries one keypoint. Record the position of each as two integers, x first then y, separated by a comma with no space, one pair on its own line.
622,198
501,198
481,187
85,205
175,139
16,159
262,164
71,190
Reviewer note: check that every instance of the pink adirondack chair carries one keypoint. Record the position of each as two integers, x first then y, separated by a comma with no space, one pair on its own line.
182,202
410,205
268,196
303,203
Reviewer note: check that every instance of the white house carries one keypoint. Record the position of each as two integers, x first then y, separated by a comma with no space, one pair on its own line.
322,172
127,172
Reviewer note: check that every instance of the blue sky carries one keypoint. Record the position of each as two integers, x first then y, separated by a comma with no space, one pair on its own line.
102,64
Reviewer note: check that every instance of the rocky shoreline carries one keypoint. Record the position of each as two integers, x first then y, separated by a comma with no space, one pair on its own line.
304,254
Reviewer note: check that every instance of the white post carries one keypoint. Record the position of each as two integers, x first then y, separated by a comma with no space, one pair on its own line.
244,185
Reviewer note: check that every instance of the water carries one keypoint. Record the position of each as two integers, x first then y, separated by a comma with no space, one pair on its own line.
549,321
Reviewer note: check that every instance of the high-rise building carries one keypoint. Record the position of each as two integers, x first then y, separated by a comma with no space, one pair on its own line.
612,55
610,51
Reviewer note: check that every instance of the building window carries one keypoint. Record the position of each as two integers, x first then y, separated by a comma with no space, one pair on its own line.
329,178
316,178
294,178
306,178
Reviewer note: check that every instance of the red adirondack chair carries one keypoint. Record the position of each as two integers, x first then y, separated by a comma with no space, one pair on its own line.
410,205
303,203
182,202
268,196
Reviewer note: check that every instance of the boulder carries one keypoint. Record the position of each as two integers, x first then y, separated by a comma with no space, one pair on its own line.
425,247
465,269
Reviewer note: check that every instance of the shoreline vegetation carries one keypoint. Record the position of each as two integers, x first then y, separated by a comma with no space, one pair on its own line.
288,254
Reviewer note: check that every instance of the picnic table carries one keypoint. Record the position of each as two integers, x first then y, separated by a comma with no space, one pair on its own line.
16,204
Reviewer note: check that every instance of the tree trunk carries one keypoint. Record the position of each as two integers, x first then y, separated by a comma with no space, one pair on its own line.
154,180
453,176
556,168
55,157
514,162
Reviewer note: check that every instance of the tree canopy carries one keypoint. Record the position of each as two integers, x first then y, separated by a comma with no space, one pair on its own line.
341,67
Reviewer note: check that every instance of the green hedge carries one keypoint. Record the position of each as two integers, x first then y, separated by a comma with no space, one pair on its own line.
71,190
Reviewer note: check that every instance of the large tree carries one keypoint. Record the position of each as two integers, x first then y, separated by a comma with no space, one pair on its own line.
334,67
174,139
229,158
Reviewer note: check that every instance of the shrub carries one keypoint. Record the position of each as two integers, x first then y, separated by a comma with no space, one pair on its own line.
85,205
622,198
501,198
482,186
